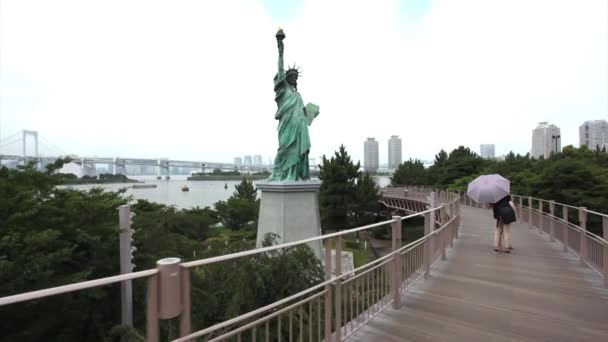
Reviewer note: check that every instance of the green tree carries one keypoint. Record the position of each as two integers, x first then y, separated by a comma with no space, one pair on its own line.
228,289
367,196
411,172
245,190
52,236
461,162
162,231
337,194
241,209
437,171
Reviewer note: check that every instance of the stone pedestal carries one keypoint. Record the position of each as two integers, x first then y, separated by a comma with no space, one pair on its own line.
290,210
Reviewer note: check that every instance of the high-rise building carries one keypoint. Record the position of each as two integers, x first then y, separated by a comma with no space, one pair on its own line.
394,152
238,161
371,160
247,160
594,134
257,159
546,139
487,151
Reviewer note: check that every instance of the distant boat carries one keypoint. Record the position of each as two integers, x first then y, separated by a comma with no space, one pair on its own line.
159,177
185,188
143,186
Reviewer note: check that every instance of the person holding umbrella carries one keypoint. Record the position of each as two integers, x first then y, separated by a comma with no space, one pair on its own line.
505,214
495,190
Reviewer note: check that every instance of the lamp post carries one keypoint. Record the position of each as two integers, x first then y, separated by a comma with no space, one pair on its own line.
555,138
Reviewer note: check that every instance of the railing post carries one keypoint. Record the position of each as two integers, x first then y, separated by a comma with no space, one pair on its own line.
126,266
530,220
338,289
185,325
540,217
169,288
582,218
552,222
454,225
152,309
396,277
566,230
328,307
605,256
443,233
457,229
443,245
521,208
429,224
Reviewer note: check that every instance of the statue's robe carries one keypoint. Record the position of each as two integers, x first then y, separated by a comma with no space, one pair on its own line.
291,161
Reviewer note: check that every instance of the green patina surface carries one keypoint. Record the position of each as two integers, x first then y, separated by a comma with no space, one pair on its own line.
291,162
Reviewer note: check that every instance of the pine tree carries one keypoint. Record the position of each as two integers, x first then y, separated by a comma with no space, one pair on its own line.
245,190
338,192
367,195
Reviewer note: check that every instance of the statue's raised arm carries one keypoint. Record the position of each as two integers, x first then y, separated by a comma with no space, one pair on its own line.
280,36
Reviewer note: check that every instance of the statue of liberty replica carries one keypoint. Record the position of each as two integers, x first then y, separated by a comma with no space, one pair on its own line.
291,162
289,202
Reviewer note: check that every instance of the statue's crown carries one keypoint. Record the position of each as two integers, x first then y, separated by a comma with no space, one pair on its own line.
293,70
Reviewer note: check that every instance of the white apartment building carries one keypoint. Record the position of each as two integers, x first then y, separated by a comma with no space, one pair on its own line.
593,134
546,139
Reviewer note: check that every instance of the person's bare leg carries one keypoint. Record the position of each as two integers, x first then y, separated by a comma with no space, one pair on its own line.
506,232
498,239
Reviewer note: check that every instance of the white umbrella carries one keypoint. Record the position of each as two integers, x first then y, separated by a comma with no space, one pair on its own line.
489,188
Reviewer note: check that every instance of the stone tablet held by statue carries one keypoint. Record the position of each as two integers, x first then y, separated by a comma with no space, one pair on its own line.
311,110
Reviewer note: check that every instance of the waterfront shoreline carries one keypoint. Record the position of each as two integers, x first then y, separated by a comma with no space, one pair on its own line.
226,177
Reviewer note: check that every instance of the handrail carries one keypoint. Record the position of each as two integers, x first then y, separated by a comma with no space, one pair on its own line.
75,287
562,205
579,229
226,257
537,210
304,292
146,273
373,264
595,213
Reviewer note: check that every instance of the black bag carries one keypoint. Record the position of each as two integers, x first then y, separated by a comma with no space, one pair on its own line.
506,214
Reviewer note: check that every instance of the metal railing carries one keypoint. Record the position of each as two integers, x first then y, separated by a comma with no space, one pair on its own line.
331,310
345,301
566,224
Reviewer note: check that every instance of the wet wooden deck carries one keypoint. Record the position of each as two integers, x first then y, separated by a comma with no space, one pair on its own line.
537,293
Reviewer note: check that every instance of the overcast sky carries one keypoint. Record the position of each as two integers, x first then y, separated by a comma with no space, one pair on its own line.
192,80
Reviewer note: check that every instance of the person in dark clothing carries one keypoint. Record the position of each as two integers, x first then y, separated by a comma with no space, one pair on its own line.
505,214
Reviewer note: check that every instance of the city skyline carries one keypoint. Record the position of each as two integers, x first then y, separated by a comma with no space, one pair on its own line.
164,96
598,127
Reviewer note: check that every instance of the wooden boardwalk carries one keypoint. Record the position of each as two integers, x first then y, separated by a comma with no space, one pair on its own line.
537,293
